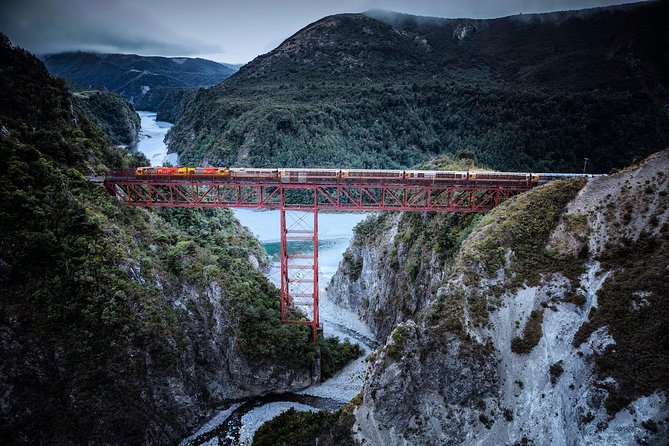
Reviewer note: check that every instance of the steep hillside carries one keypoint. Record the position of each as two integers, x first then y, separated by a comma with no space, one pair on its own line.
119,325
537,92
169,104
395,265
134,76
548,324
115,116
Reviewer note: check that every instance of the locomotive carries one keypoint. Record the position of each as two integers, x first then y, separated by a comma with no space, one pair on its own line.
357,175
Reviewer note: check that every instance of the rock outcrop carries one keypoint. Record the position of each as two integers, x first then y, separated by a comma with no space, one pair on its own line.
394,266
118,325
548,327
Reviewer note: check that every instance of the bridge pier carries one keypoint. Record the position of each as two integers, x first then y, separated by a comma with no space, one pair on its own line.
299,271
421,191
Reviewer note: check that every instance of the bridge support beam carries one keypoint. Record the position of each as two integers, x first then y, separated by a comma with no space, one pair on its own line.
299,267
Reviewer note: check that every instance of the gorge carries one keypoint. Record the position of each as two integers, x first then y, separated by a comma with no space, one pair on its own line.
543,321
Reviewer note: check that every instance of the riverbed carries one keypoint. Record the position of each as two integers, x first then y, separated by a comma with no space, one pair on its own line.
235,425
152,140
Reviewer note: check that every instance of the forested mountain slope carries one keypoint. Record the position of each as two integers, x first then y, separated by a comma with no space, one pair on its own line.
145,81
531,92
118,325
110,112
543,322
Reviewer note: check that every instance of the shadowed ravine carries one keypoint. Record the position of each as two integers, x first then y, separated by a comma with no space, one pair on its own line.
237,422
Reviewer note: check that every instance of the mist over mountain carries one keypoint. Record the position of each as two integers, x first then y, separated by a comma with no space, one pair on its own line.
134,76
537,92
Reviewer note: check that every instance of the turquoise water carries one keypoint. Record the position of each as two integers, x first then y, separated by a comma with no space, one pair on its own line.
334,233
272,248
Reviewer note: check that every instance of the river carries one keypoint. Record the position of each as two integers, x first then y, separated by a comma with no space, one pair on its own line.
235,425
151,139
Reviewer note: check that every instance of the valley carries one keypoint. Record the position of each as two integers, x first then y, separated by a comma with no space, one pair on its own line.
517,311
239,422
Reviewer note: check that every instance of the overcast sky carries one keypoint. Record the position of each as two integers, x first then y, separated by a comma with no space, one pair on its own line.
233,31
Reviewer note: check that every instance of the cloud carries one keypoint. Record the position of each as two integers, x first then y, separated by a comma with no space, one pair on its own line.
47,26
196,27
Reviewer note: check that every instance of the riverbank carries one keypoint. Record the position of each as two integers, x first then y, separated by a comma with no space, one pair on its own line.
237,423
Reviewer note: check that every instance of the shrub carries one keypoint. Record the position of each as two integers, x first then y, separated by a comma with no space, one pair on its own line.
556,370
335,355
293,428
531,333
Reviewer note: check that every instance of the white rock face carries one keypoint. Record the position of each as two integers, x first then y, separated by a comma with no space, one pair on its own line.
462,31
437,384
374,282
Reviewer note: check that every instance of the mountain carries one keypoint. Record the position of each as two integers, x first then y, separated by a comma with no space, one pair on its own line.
133,76
529,92
110,112
120,325
543,322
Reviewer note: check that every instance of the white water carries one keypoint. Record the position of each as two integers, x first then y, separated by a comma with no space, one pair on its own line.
335,232
151,140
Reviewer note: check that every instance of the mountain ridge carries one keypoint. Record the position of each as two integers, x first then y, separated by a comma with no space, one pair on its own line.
133,76
351,90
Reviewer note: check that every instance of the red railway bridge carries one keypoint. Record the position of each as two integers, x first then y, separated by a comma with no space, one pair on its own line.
311,191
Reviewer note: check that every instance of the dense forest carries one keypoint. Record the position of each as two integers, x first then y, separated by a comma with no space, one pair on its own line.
111,113
532,92
119,324
160,84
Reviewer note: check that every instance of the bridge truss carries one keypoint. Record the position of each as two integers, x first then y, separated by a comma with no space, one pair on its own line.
299,271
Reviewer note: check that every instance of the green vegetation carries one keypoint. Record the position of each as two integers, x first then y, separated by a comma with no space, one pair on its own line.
521,227
632,304
111,113
524,225
396,347
335,355
293,428
393,126
531,333
353,264
353,91
575,298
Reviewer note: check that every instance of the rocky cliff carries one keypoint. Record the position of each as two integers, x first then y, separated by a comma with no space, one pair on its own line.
395,264
118,325
547,327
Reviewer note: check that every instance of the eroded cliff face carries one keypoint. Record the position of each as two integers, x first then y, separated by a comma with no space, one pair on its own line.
118,325
395,265
549,326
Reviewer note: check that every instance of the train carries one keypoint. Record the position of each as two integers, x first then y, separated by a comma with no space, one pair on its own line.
359,175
